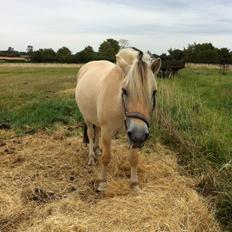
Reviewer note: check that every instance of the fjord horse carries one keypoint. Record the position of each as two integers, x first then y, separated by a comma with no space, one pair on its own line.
111,96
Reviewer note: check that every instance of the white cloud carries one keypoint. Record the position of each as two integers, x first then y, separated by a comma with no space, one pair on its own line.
154,25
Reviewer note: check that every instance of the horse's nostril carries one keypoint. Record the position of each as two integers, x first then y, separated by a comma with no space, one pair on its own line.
137,134
137,137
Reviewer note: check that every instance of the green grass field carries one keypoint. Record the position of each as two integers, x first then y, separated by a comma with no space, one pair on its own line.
194,116
198,106
35,98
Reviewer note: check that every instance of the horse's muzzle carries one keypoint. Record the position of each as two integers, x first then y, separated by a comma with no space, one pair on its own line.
137,134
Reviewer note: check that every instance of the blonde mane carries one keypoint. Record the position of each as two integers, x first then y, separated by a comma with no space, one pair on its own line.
139,80
130,55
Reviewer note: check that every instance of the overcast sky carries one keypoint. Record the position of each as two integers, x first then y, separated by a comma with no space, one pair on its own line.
149,25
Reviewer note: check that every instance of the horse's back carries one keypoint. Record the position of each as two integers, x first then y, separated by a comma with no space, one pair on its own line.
91,76
94,69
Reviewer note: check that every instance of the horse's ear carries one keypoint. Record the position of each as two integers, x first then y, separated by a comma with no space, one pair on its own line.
149,53
155,66
122,64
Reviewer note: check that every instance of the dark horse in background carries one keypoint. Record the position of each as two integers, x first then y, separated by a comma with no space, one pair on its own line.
170,66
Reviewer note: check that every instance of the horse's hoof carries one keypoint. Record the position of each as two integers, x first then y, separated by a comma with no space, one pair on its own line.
136,189
101,187
98,151
91,161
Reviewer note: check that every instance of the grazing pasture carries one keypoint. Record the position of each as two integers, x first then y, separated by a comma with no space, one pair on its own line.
47,186
195,117
34,98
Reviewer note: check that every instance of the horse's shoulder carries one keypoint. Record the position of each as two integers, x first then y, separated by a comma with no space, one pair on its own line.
117,70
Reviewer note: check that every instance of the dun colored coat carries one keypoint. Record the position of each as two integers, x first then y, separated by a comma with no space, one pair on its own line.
112,96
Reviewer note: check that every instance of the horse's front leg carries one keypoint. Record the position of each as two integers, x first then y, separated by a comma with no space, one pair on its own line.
106,157
133,158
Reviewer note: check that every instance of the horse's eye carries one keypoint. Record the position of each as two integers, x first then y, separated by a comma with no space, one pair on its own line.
124,91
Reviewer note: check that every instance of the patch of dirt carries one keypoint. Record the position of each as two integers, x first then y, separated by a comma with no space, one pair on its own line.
46,185
6,134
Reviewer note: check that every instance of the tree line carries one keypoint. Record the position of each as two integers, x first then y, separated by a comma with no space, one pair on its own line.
204,53
106,51
194,53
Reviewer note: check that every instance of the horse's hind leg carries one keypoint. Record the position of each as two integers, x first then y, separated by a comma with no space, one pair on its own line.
97,148
90,133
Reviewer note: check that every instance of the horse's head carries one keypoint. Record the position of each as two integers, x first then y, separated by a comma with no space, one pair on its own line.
138,95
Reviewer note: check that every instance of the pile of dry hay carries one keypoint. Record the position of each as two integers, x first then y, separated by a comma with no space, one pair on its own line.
46,185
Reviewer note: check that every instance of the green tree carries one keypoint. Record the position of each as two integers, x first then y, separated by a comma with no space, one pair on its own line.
177,54
64,55
29,49
10,49
108,49
208,56
44,55
201,53
224,55
230,57
86,55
